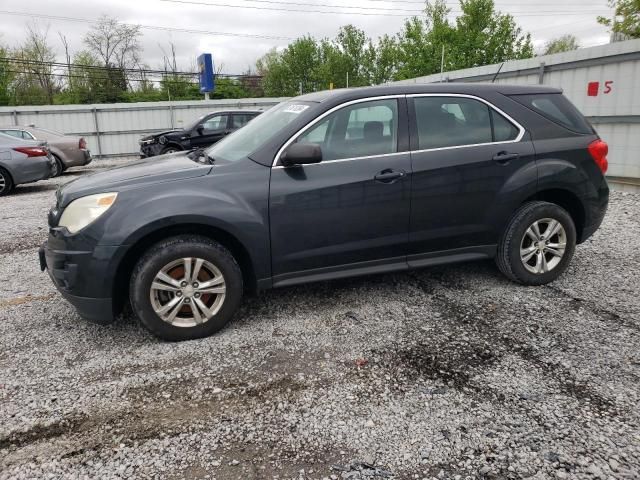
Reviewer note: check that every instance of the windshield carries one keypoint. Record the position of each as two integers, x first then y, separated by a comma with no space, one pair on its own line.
196,122
248,139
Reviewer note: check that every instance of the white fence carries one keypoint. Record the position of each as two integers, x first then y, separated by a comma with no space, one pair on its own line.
603,82
113,130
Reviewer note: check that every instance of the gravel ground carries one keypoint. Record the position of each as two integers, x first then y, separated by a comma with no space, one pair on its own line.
450,372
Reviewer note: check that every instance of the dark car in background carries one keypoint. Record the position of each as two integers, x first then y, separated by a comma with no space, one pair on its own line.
67,150
330,185
23,161
205,131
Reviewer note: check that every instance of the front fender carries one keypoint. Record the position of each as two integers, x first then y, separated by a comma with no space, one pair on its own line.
234,202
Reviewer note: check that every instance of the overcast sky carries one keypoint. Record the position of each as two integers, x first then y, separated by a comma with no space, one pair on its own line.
545,19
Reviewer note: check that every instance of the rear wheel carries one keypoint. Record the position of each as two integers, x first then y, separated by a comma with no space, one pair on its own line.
186,287
6,182
57,168
538,244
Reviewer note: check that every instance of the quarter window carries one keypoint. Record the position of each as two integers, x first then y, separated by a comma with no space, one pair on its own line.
503,129
361,130
458,121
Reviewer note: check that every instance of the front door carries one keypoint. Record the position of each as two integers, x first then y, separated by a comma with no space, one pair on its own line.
469,161
212,129
349,212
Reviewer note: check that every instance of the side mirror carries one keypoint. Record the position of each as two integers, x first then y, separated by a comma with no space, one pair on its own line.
301,154
200,129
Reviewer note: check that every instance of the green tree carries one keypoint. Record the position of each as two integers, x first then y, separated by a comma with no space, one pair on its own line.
484,36
420,43
565,43
627,18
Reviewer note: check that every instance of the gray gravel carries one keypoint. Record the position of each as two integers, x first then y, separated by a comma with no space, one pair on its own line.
450,372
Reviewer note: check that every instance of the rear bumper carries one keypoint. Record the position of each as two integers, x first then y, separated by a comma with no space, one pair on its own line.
596,209
37,168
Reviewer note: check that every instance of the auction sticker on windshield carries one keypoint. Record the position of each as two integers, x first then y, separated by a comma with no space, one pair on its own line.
296,108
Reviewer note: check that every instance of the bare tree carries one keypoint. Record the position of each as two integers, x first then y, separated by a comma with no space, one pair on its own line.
37,57
116,44
67,55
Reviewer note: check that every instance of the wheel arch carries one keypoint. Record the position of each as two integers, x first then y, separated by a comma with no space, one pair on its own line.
173,144
226,239
567,200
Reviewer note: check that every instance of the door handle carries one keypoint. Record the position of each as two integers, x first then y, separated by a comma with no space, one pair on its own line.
388,176
505,157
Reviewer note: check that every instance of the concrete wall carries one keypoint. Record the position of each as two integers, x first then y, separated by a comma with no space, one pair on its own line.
113,130
614,111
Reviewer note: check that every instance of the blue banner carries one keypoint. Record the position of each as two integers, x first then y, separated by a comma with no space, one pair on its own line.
205,70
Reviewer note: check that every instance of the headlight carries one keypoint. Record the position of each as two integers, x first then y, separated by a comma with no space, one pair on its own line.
148,141
83,211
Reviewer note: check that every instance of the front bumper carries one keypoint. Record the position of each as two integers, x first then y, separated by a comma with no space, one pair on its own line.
150,149
83,277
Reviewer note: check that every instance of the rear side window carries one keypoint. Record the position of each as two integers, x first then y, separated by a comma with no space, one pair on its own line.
556,107
458,121
240,121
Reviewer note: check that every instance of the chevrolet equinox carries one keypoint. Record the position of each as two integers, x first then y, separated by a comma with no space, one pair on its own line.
329,185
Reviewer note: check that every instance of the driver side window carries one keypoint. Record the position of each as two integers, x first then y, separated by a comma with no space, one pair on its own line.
216,123
361,130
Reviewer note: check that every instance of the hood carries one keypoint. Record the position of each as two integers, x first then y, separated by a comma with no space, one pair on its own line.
165,168
159,134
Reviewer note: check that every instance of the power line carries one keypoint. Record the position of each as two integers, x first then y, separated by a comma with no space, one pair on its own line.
150,27
333,12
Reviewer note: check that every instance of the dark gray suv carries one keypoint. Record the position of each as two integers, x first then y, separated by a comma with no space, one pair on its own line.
330,185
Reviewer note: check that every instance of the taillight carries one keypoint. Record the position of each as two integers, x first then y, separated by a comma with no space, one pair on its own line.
82,144
32,151
599,150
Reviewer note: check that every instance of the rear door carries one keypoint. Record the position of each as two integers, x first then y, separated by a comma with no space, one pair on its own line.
239,120
350,211
469,162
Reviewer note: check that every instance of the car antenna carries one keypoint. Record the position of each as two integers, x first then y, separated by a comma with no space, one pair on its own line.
493,80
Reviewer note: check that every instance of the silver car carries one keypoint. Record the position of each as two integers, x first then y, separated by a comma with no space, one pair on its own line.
23,161
67,150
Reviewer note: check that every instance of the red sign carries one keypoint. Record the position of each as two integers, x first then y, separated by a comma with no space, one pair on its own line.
593,88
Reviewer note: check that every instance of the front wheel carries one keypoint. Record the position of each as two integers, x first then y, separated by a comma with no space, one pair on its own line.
169,149
186,287
538,244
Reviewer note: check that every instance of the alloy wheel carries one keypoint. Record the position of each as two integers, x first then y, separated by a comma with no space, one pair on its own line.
188,292
543,246
3,182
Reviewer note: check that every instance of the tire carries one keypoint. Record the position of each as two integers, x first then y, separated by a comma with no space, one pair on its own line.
59,167
170,149
169,257
546,264
6,182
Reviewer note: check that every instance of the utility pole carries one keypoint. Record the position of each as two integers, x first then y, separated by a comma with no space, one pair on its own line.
347,79
442,65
